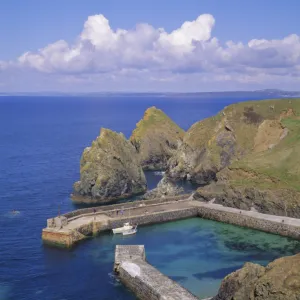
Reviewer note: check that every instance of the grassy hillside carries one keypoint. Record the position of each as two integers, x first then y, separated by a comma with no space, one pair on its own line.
238,130
278,167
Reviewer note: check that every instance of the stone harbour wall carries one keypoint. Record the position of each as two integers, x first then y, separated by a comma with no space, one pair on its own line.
69,238
158,217
243,220
56,238
144,280
70,235
62,239
132,204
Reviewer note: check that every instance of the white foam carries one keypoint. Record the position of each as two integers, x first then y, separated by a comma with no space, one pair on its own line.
159,173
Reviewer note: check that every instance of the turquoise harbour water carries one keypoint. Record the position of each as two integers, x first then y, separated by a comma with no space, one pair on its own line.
196,253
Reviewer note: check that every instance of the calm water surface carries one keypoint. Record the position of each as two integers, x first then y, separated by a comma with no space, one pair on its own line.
42,139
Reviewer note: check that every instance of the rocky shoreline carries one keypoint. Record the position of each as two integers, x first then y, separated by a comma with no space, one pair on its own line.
246,156
279,280
231,153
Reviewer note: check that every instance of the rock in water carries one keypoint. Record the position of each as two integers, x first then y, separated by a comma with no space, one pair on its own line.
164,188
156,139
109,170
280,280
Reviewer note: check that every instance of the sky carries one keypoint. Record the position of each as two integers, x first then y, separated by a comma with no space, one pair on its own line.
149,45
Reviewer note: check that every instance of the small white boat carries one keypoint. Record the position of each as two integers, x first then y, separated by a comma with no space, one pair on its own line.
125,227
130,231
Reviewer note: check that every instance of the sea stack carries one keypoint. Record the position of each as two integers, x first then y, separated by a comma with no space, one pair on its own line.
156,138
109,170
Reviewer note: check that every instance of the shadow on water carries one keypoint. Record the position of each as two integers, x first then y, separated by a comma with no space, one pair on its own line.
179,279
217,274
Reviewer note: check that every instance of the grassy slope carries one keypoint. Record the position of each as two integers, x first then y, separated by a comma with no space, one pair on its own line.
275,168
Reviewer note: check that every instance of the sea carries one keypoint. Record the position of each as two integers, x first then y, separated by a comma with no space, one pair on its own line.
42,139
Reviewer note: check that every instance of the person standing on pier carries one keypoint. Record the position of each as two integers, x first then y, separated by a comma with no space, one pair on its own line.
94,213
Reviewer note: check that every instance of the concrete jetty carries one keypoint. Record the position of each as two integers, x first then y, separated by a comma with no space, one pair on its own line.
143,279
68,229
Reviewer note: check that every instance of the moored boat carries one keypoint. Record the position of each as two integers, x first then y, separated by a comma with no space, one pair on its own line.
130,231
125,227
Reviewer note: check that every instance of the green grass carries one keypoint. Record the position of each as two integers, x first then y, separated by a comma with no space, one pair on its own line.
275,168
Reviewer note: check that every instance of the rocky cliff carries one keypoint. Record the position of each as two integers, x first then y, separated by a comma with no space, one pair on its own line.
250,150
164,188
109,170
156,139
239,129
280,280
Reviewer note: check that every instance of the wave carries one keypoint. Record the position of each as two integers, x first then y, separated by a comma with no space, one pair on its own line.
159,173
113,279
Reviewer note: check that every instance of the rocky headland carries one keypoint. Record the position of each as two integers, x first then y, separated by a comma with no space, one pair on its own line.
156,138
109,170
247,157
279,280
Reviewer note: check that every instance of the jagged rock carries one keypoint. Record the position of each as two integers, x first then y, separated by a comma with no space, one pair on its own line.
164,188
156,139
199,162
109,170
280,280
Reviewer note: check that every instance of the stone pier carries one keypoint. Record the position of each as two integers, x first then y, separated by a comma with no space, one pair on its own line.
145,281
70,228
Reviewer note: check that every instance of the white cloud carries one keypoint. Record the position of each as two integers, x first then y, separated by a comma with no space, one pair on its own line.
164,57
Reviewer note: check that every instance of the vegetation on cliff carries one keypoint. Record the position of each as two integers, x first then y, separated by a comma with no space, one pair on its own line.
156,138
239,129
109,170
251,150
267,176
279,280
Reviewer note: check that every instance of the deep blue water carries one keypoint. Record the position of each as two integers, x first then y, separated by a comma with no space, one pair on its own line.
42,139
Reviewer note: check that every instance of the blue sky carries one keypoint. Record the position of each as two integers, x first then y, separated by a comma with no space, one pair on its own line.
195,59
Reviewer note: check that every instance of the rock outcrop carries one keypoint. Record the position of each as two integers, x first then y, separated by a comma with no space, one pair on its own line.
280,280
248,154
156,138
252,191
239,129
164,188
109,170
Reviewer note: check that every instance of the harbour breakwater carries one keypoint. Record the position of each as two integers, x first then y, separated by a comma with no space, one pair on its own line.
68,229
130,262
143,279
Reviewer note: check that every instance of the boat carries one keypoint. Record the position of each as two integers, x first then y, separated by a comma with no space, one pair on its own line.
130,231
125,227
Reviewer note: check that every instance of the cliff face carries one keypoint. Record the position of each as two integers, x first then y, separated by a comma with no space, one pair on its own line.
280,280
109,170
267,177
214,143
251,150
156,139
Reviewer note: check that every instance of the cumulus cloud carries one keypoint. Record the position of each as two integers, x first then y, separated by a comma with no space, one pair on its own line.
190,49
